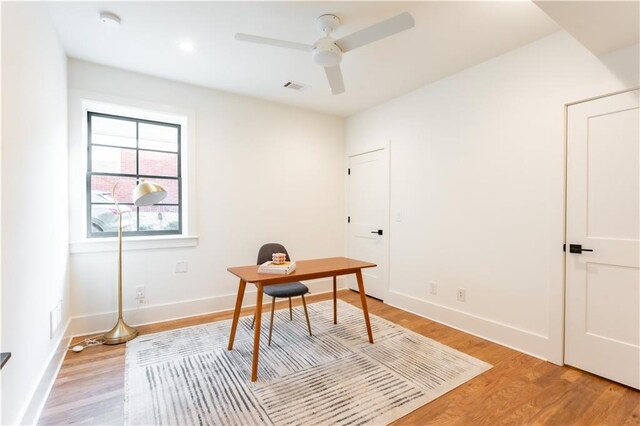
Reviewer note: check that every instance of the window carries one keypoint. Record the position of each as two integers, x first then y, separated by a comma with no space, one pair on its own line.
126,150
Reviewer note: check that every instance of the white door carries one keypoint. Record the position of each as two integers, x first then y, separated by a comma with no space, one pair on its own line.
602,323
368,201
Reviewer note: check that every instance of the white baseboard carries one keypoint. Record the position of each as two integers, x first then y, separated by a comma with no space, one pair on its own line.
39,396
521,340
99,323
94,324
503,334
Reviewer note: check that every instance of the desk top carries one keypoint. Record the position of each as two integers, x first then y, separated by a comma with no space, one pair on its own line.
305,270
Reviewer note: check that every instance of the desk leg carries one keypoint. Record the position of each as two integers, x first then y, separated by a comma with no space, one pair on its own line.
335,300
236,313
256,334
363,300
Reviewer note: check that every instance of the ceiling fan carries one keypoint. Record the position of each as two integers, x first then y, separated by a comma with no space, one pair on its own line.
327,52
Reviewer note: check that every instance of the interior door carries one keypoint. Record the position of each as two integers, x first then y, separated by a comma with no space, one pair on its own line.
368,200
602,322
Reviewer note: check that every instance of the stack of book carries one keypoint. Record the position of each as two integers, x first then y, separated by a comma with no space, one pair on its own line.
273,268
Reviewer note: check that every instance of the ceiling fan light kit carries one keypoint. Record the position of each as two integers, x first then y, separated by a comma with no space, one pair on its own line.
327,52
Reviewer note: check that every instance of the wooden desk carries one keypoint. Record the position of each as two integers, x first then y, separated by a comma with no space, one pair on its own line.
305,270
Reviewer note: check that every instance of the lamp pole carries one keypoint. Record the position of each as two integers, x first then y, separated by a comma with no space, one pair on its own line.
121,332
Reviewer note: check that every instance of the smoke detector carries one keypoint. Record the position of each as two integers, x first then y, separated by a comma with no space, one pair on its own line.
110,20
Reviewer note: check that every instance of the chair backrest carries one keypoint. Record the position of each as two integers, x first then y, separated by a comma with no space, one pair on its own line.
268,249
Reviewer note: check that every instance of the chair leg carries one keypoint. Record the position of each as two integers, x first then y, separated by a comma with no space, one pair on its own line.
273,308
290,311
306,314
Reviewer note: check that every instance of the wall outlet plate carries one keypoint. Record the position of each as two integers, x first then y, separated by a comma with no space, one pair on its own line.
462,294
55,317
140,293
433,288
181,267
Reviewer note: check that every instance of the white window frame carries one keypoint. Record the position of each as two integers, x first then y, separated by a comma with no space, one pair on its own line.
80,103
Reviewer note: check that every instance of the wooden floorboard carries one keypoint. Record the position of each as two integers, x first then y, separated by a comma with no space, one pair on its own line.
519,389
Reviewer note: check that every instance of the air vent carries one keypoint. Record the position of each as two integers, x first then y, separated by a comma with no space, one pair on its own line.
296,86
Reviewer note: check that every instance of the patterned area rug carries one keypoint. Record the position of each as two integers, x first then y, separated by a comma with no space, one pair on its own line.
336,377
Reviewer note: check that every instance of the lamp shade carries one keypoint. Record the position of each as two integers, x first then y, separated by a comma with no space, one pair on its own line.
148,193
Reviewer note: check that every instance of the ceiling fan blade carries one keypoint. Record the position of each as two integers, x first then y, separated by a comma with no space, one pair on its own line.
274,42
334,75
375,32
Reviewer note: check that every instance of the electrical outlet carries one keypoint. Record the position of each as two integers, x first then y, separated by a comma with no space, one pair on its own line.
434,288
140,293
181,267
462,295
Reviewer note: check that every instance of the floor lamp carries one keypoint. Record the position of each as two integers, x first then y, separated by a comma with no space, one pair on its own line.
144,194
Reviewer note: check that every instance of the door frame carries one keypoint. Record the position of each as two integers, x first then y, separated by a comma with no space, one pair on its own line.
565,219
385,148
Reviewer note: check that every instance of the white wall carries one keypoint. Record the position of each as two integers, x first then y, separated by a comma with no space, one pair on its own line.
34,200
477,170
242,147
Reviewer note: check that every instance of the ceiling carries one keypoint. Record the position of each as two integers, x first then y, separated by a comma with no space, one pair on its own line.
448,37
600,26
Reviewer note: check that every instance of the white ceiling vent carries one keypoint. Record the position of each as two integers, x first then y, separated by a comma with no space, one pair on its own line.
293,85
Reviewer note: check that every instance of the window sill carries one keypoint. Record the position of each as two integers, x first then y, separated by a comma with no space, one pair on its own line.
132,243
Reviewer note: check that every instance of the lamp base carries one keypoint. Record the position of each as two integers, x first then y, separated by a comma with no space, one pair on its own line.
120,333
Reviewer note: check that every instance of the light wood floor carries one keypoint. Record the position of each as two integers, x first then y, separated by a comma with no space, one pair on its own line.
519,389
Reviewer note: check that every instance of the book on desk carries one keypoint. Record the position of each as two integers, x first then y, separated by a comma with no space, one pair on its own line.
275,268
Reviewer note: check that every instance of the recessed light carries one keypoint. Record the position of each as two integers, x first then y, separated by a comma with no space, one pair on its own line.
186,46
109,19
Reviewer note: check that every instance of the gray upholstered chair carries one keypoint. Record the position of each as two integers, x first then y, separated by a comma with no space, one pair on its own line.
287,290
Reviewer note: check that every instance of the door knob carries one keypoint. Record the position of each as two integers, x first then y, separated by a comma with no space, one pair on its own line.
379,232
577,248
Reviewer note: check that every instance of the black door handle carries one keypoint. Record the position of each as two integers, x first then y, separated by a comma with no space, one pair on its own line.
379,232
577,248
